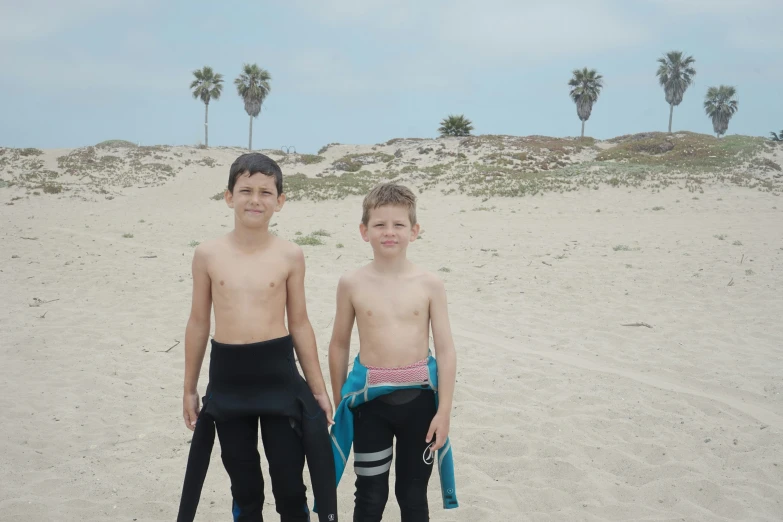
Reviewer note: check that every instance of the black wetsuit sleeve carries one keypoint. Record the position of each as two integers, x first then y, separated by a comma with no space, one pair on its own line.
320,461
198,464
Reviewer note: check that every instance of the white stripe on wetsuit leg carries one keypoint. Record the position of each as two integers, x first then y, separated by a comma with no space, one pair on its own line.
374,456
445,449
370,457
339,449
371,472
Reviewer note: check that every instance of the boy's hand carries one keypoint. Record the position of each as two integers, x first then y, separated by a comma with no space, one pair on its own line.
440,428
190,409
326,405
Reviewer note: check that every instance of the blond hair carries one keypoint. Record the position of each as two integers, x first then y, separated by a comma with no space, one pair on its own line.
389,194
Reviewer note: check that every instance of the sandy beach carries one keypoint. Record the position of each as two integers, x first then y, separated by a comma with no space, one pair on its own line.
620,350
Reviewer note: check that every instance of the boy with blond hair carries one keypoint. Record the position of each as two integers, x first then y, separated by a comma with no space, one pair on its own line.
396,389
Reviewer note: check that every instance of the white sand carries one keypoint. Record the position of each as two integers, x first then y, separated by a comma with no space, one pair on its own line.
561,413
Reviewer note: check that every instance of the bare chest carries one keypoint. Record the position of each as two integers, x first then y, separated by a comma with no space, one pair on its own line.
236,275
391,303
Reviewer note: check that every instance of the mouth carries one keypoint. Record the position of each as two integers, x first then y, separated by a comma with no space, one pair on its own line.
388,243
254,211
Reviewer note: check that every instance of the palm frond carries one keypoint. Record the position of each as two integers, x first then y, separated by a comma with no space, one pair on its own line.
675,74
207,84
586,85
720,104
455,126
253,86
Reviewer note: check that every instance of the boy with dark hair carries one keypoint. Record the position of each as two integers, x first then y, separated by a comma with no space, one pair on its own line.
253,280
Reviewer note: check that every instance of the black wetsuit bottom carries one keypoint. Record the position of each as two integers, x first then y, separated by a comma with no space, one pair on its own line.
404,414
285,455
252,385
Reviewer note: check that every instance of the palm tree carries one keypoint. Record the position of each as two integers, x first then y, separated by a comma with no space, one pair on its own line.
585,85
206,86
776,137
720,104
675,75
253,86
455,126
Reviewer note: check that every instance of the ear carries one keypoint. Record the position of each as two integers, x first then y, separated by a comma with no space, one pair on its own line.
280,202
229,198
415,231
363,232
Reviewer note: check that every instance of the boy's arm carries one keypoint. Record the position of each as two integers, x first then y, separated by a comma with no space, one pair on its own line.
446,356
340,345
196,335
302,331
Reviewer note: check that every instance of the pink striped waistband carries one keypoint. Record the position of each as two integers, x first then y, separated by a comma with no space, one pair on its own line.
416,373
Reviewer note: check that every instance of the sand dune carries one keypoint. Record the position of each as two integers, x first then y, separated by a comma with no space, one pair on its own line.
562,411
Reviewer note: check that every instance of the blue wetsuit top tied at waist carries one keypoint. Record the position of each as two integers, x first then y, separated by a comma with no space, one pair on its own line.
360,388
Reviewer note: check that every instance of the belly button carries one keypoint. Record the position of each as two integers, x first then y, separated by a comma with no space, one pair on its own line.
222,283
415,312
271,285
369,312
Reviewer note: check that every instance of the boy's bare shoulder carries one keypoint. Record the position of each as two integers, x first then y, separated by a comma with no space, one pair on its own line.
430,280
351,277
356,278
210,247
288,256
292,252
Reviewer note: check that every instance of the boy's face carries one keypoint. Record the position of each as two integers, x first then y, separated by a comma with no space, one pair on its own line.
255,199
389,230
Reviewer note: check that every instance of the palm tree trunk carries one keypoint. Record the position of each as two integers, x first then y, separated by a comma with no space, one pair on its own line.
583,128
206,125
671,112
250,139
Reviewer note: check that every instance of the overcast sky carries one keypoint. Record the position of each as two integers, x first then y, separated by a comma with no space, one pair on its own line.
364,71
